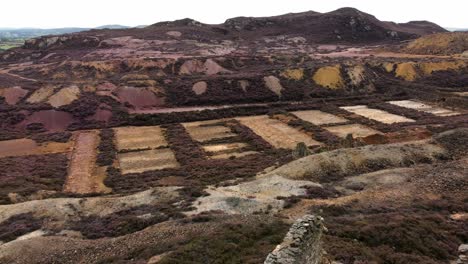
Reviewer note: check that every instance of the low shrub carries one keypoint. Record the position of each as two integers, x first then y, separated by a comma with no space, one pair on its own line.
107,149
234,243
17,226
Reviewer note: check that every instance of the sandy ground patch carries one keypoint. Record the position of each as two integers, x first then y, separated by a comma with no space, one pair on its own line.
376,114
40,95
273,84
356,129
202,133
81,172
131,138
429,67
277,133
464,94
329,77
249,197
24,146
226,151
374,179
147,160
66,208
200,88
293,74
388,66
64,97
435,110
406,71
318,117
223,147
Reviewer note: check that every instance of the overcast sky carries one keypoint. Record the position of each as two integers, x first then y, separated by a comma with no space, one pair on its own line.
92,13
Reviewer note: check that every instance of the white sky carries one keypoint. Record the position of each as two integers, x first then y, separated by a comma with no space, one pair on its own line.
92,13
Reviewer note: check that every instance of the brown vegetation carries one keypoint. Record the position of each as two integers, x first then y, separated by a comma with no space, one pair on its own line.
29,174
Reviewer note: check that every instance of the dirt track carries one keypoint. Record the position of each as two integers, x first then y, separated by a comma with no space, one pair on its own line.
82,165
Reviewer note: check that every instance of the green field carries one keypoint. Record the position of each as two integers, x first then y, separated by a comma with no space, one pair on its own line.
8,44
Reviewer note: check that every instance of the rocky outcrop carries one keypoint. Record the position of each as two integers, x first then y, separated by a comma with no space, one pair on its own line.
179,23
302,244
463,257
48,42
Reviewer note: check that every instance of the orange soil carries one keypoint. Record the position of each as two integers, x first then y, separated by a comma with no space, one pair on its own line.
82,177
24,146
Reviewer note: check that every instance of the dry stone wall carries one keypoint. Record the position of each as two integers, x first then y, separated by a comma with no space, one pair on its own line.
302,244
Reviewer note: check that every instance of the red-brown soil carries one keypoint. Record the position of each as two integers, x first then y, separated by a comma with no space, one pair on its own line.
82,176
13,95
51,120
63,172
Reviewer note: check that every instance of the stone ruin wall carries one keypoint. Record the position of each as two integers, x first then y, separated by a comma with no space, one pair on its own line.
302,244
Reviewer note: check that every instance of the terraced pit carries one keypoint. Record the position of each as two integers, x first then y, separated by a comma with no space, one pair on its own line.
143,149
214,130
206,166
206,130
318,117
376,114
81,173
276,132
357,130
419,106
147,160
135,138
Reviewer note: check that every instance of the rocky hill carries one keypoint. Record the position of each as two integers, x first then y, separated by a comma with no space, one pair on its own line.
342,25
345,25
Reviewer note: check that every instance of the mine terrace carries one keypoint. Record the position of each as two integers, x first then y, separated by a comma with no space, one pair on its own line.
186,141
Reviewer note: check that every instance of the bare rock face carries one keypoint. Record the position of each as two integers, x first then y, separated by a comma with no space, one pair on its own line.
249,23
302,244
47,42
463,257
